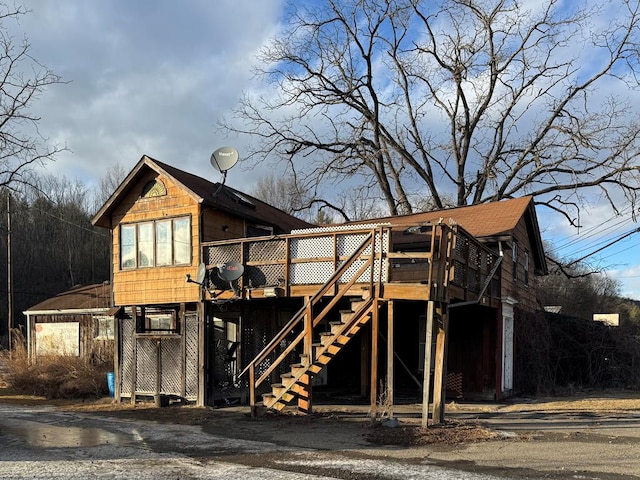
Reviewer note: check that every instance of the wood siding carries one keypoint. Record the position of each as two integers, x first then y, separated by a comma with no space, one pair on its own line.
91,349
155,285
518,290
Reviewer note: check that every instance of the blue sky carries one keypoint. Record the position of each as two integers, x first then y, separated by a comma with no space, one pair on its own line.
154,77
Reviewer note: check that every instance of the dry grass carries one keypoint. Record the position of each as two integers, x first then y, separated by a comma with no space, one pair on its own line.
448,433
56,377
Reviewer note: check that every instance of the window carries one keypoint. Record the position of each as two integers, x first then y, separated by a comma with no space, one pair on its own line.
157,321
159,243
526,267
514,258
104,328
160,321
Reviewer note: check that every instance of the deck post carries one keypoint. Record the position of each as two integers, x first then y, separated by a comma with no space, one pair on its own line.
390,359
374,360
440,375
252,390
304,397
428,360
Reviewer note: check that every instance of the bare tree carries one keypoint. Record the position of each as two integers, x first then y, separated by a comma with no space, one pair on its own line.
22,79
113,176
470,100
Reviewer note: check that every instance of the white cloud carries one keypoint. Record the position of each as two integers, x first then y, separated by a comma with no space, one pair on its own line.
147,77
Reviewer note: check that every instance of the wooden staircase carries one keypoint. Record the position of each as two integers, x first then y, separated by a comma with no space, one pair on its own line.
296,382
358,268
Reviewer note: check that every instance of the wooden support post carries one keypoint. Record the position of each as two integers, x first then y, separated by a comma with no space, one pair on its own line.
134,375
304,398
252,390
374,360
157,395
305,402
202,361
390,359
426,382
440,375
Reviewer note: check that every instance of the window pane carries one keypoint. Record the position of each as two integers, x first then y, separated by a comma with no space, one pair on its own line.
145,245
128,246
163,242
181,241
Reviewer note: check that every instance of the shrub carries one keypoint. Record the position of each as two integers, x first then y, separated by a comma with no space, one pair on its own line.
56,376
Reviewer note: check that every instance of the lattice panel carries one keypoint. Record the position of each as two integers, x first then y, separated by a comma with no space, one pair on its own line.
266,250
461,246
224,253
473,277
310,273
474,255
171,366
191,345
458,272
126,355
146,365
270,275
312,247
347,244
323,247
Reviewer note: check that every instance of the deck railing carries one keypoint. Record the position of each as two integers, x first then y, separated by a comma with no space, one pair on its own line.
439,255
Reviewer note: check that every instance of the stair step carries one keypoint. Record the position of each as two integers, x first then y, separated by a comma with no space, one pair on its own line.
288,379
304,359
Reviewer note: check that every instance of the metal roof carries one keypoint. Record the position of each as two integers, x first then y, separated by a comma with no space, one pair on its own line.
80,298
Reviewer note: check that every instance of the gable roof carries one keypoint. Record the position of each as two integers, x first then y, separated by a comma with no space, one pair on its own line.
486,221
81,298
214,195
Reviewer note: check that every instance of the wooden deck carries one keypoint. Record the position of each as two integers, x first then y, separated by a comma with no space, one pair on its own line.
438,262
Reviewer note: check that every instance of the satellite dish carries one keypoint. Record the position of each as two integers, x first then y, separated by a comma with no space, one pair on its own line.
230,271
202,271
224,158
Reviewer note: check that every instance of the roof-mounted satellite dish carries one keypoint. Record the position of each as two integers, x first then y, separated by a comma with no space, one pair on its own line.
223,159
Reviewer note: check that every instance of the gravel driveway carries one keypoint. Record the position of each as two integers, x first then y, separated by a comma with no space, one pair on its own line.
46,442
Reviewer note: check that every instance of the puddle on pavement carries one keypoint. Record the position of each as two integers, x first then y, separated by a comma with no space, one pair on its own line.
51,436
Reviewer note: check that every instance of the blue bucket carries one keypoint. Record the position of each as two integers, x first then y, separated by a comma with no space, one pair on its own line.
111,384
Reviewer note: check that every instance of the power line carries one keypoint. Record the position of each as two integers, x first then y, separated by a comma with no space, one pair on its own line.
628,234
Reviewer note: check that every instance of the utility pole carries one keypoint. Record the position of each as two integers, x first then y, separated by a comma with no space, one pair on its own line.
9,276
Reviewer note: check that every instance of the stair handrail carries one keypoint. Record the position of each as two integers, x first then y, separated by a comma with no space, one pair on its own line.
337,274
301,335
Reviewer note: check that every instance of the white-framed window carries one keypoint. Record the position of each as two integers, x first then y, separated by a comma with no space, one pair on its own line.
104,328
155,243
526,267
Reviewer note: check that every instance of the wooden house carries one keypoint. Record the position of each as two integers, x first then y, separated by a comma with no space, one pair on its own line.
78,322
159,217
222,298
427,301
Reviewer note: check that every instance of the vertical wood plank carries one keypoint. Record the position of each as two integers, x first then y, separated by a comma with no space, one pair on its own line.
202,361
374,359
183,350
426,382
117,368
134,375
439,387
